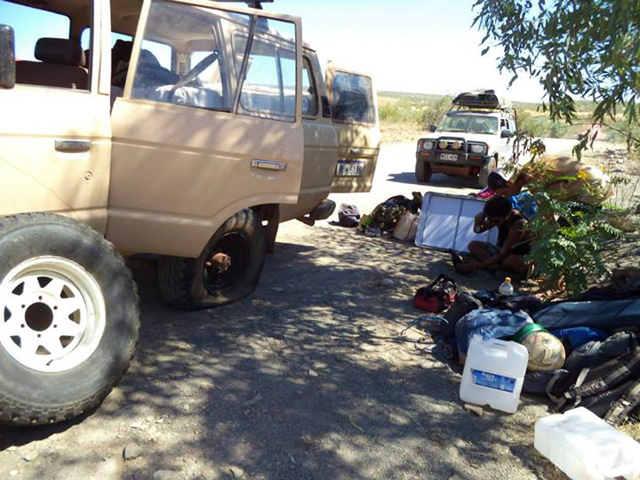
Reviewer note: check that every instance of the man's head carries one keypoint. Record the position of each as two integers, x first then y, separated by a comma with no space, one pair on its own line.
497,210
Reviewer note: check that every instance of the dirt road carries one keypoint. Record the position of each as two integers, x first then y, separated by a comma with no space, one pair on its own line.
309,377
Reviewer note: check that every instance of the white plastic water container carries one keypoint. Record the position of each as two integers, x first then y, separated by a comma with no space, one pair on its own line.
494,373
585,447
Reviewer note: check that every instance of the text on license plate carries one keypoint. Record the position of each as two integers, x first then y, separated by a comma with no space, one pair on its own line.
451,157
350,168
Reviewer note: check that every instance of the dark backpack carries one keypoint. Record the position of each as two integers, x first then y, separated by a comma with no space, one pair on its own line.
610,390
437,296
463,304
348,215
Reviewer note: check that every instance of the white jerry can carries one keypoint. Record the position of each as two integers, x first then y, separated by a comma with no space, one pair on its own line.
494,373
585,447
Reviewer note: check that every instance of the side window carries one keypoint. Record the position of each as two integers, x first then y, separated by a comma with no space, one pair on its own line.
45,56
309,91
203,79
352,98
269,86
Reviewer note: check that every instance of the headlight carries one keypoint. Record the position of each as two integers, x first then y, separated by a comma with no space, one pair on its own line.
477,148
442,145
427,144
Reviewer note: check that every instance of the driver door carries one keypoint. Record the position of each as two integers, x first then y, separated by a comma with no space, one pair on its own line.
355,118
206,127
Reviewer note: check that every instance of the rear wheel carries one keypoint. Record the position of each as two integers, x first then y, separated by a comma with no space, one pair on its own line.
227,270
423,172
488,167
69,319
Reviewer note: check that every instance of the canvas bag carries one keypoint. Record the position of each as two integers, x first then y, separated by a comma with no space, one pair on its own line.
406,227
437,296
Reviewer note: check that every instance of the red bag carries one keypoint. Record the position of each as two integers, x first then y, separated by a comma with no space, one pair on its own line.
437,296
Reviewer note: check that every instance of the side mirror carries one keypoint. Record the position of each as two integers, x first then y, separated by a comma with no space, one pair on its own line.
7,58
506,134
433,128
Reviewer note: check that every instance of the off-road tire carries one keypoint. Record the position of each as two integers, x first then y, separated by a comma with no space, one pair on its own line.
32,247
487,168
186,283
423,172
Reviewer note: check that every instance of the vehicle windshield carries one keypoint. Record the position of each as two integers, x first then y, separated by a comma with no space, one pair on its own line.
457,122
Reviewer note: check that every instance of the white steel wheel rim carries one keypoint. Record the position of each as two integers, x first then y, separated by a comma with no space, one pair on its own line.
52,314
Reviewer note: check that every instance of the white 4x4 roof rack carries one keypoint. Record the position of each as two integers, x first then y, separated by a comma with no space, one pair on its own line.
251,3
482,99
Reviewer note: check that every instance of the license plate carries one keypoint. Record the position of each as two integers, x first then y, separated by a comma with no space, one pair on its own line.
350,168
450,157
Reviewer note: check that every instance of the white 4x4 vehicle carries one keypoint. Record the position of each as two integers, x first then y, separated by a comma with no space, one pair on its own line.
473,139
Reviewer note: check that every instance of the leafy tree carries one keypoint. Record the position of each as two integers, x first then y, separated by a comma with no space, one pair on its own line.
577,48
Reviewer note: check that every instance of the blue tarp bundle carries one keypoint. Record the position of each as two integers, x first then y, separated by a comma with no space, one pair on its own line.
604,314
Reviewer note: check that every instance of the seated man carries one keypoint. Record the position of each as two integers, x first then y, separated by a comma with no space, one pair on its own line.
513,240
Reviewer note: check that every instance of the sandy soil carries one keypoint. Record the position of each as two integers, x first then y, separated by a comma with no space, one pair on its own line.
312,376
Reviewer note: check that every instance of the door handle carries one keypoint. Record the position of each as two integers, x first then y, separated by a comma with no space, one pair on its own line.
269,165
72,146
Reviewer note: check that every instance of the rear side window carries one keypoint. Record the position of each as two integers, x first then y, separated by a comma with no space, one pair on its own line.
352,98
22,19
309,91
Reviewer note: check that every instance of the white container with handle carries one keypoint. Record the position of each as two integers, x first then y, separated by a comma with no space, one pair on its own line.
585,447
494,373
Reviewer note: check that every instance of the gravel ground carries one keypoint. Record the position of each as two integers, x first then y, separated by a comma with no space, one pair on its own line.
310,377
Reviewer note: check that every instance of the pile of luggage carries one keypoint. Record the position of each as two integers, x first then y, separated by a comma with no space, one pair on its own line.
582,352
397,216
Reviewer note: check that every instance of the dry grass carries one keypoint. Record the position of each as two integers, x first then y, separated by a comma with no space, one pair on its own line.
632,428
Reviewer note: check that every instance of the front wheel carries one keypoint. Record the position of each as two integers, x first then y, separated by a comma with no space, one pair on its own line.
69,321
423,172
227,270
488,167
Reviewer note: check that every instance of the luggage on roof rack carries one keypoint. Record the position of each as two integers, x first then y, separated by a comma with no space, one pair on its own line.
482,99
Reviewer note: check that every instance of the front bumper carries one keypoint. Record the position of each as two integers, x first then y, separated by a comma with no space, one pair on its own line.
451,159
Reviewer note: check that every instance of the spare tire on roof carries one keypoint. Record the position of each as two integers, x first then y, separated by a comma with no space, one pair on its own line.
481,99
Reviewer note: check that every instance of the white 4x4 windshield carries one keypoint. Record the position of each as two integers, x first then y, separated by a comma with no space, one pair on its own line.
467,123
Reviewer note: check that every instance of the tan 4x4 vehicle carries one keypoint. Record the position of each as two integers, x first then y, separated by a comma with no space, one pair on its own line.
186,129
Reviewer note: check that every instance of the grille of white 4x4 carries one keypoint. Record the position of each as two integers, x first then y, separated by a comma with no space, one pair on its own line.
451,144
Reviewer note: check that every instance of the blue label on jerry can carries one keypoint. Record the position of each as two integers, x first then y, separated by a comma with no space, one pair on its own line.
491,380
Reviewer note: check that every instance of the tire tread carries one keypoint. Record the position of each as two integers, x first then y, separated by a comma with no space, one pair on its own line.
17,413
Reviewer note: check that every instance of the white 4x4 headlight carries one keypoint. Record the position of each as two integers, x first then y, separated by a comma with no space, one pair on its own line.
477,148
427,144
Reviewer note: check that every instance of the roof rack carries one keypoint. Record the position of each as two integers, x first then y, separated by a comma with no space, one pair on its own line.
251,3
481,99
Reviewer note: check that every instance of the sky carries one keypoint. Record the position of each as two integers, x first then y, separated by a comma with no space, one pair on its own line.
419,46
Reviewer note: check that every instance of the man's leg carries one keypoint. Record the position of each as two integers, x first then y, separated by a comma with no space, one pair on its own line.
515,264
481,250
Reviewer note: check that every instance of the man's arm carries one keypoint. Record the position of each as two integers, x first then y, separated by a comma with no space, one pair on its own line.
515,235
481,224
